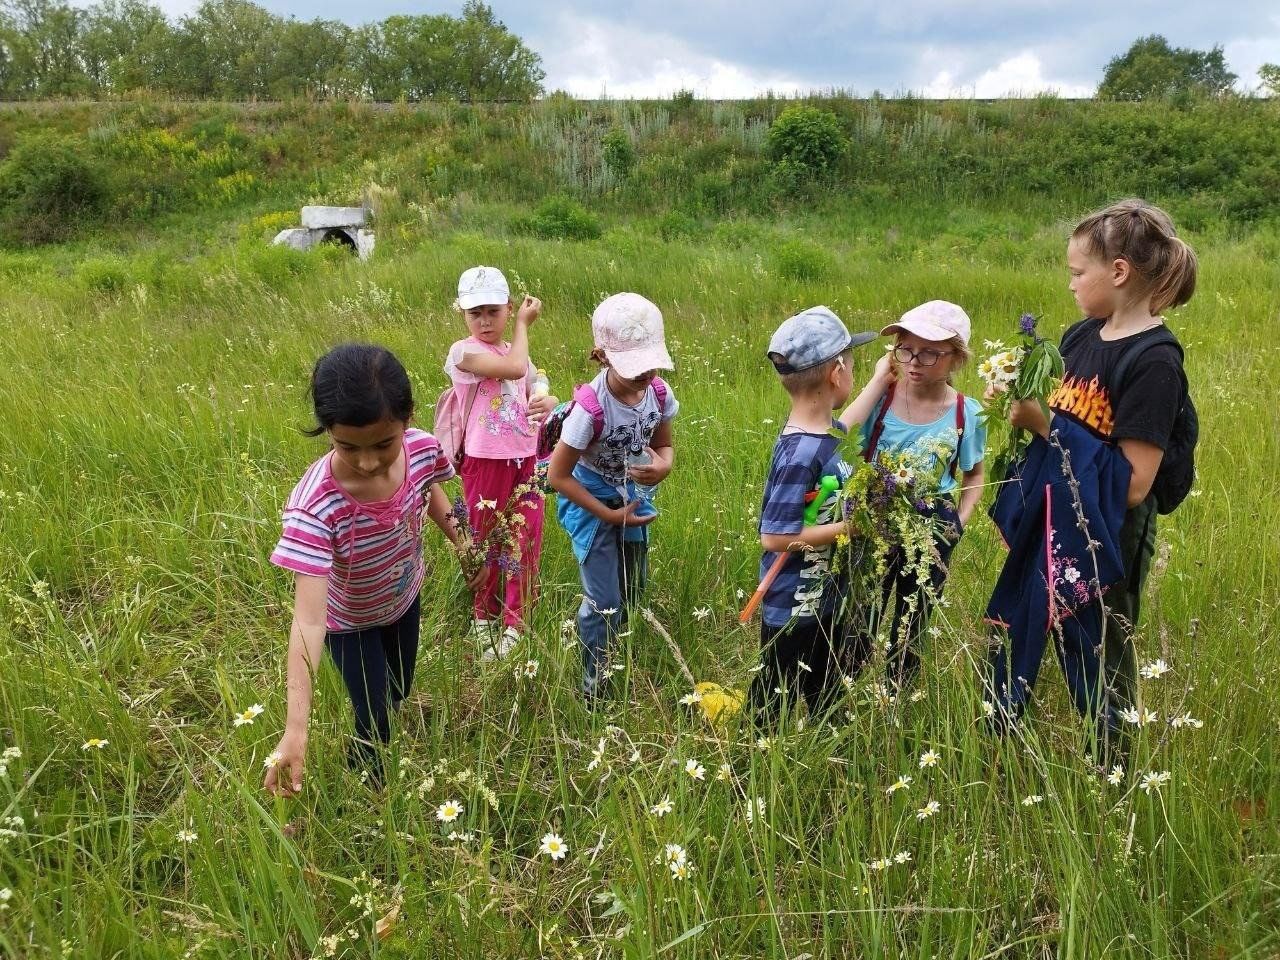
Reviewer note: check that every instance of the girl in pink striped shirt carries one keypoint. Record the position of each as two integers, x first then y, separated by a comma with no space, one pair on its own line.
353,539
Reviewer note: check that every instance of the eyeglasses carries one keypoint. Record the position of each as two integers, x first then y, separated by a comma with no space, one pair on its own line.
926,357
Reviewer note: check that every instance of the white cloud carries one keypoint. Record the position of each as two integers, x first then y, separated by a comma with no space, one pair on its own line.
1244,57
592,58
1019,75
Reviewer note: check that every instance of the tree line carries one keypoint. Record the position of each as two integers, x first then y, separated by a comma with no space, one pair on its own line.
237,50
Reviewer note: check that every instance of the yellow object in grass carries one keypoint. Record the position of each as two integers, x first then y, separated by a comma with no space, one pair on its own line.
716,702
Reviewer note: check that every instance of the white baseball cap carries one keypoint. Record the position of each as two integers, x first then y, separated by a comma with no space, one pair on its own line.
628,328
481,286
935,320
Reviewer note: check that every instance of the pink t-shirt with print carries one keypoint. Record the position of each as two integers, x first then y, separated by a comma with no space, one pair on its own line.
498,428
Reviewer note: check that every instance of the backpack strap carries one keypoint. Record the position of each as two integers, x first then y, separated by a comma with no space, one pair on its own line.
877,427
954,469
1129,359
660,391
584,396
1074,334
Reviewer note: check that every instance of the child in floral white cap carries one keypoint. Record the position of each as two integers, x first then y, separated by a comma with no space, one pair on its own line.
499,439
615,446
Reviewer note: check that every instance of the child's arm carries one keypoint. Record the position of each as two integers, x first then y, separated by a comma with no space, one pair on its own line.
306,641
970,492
818,535
664,457
560,477
516,363
862,405
1145,459
441,513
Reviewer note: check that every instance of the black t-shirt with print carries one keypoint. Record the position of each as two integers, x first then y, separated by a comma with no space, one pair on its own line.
1144,407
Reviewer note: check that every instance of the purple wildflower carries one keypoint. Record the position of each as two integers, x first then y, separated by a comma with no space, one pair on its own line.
1027,324
921,506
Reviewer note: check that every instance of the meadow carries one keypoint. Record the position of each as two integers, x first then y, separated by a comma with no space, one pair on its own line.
154,384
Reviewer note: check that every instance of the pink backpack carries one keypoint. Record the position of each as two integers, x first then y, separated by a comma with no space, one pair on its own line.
450,427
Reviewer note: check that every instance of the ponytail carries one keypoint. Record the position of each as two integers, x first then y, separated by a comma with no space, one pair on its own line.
1177,282
1143,235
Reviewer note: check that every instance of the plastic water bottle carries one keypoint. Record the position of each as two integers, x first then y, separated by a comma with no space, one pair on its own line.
541,388
541,385
644,492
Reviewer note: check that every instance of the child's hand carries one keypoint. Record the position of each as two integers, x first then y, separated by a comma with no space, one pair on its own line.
529,311
284,777
624,516
1029,415
992,392
539,407
651,473
885,372
477,578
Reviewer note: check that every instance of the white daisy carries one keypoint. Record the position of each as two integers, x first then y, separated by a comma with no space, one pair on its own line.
553,846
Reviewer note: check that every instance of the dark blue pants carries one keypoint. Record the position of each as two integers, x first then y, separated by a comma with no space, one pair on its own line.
819,645
1099,662
377,666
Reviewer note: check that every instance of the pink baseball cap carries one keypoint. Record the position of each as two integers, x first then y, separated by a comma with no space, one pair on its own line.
935,320
628,328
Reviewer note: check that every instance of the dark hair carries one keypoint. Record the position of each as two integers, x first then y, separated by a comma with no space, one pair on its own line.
356,384
1143,234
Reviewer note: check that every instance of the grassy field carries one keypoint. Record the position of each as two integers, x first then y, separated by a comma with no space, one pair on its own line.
150,403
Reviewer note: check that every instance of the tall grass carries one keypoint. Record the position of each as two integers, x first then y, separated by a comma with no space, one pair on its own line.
148,437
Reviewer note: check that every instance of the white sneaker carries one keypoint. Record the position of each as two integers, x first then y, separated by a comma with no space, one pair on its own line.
507,642
482,634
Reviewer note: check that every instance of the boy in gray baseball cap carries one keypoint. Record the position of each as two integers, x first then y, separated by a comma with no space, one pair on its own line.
803,620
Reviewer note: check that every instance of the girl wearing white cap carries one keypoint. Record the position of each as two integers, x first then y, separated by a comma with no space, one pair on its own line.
925,428
499,437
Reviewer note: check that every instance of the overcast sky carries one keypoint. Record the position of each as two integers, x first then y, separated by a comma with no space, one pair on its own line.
984,48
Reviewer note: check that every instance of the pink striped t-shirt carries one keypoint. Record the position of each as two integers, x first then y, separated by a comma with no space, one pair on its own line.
371,552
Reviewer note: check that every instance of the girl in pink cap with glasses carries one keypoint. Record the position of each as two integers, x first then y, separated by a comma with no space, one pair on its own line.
928,432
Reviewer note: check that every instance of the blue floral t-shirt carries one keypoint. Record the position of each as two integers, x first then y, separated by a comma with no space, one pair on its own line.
929,447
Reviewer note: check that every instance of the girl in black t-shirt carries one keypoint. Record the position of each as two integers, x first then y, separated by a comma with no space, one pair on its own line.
1127,265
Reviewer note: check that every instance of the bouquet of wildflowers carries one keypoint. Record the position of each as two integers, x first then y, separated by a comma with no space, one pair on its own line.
887,499
1029,370
500,546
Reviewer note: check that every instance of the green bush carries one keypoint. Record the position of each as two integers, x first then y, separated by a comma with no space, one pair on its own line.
47,189
801,260
617,152
678,225
808,137
736,234
109,275
560,218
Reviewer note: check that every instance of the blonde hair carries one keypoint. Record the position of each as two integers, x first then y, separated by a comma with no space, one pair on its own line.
962,351
1143,234
804,382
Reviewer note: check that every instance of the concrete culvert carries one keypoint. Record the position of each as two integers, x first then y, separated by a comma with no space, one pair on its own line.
340,237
